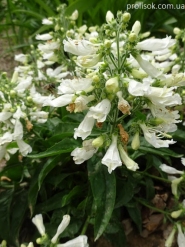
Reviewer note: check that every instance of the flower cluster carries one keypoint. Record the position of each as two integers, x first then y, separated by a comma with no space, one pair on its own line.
114,76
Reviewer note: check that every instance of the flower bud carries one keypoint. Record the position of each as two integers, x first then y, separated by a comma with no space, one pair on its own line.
14,77
96,78
132,37
129,163
169,240
176,214
126,17
138,74
135,141
176,30
112,85
3,243
109,16
12,93
30,244
136,27
174,186
98,142
74,15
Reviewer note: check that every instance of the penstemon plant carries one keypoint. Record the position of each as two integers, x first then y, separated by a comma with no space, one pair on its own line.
123,89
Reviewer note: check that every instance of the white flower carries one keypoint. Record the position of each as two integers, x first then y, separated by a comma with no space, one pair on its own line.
24,84
18,130
130,164
81,102
61,227
6,137
74,86
148,67
88,61
170,170
4,116
46,21
24,148
21,58
85,127
38,221
100,111
49,46
155,44
79,47
112,158
80,241
82,154
180,236
109,17
45,36
154,135
62,100
183,161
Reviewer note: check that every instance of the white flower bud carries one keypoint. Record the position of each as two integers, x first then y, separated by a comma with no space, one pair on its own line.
136,27
112,85
169,240
176,214
98,142
135,141
109,16
74,15
126,17
176,30
174,185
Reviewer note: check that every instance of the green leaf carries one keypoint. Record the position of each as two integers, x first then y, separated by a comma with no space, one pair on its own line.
135,215
49,165
18,212
103,187
5,202
64,146
125,193
162,152
75,192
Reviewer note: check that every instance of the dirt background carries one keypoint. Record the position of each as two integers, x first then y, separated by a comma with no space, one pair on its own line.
155,237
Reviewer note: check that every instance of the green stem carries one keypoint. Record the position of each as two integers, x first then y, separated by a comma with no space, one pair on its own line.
155,177
85,226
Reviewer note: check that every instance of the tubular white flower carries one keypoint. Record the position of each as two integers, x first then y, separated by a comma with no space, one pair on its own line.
81,102
46,21
21,58
38,222
130,164
74,86
79,47
112,158
80,241
85,128
180,236
100,111
154,135
45,36
155,44
82,154
88,61
170,170
24,84
62,100
148,67
18,130
4,116
6,137
61,227
24,148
